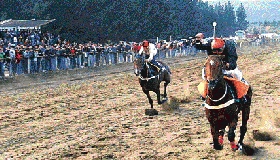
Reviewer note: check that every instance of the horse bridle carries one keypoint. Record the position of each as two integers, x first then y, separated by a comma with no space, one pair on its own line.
138,58
217,100
216,81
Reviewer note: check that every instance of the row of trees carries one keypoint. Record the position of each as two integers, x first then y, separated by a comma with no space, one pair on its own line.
130,20
273,23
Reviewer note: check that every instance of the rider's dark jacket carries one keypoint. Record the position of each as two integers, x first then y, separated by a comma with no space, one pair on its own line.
229,52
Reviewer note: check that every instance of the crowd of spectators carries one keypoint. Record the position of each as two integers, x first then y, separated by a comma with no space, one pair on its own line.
31,51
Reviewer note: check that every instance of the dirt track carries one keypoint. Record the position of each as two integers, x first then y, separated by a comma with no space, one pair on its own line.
100,114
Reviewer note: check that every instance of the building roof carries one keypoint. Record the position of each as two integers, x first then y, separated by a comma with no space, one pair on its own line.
24,23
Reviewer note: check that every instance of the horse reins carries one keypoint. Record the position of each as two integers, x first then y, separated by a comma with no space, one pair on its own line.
147,79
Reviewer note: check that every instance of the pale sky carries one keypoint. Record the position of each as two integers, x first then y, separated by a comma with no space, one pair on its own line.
235,0
255,9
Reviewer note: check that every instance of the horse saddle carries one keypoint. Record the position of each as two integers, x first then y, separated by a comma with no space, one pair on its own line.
157,66
241,87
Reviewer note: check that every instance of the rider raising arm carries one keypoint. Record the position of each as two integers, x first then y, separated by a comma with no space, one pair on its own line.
220,47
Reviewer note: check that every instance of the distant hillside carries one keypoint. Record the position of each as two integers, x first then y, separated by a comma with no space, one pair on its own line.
256,10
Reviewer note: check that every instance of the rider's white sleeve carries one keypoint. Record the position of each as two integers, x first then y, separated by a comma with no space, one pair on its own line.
141,50
153,52
236,73
151,57
153,49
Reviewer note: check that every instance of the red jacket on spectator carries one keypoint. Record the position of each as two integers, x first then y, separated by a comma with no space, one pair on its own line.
18,56
136,48
72,51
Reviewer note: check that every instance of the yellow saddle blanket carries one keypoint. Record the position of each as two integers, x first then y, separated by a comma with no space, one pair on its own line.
241,88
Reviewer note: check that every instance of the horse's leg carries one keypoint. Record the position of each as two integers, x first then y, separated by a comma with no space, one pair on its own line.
165,86
149,97
243,128
157,91
231,135
215,135
245,116
221,136
214,129
167,81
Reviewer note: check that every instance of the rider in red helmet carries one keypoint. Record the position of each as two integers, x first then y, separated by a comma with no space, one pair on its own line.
219,46
149,49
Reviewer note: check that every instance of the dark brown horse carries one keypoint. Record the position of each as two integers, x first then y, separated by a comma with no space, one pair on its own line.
150,78
222,107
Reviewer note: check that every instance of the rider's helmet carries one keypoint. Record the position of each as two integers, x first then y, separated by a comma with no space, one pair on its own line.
199,35
145,43
217,46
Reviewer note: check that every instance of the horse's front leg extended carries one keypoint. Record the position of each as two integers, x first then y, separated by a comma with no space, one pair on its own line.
215,135
149,97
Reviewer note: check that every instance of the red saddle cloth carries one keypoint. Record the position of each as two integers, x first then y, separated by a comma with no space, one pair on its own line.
241,88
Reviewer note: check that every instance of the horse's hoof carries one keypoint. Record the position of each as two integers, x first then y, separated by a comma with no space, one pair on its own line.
221,140
151,112
233,146
163,101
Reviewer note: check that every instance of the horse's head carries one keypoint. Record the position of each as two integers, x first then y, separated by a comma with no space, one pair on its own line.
138,64
214,70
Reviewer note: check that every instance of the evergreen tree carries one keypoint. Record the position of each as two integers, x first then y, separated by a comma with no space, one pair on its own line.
242,23
191,21
129,20
230,20
220,19
206,19
180,17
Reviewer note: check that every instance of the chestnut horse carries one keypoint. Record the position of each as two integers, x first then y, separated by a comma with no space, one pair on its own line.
221,105
150,78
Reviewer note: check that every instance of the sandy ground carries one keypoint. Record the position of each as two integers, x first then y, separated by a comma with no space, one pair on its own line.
100,113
